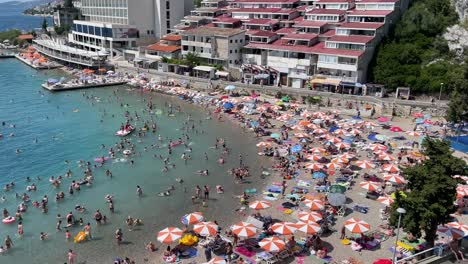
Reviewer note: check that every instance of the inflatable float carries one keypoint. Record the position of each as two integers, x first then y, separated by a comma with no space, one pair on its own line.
101,159
127,152
80,237
125,132
9,220
177,143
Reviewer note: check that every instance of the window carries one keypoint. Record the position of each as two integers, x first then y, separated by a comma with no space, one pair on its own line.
230,51
168,23
230,61
168,6
235,41
235,51
328,59
147,32
168,14
168,31
240,40
230,41
184,47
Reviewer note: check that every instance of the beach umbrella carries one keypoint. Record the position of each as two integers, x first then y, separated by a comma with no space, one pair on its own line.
311,126
396,129
259,205
418,115
296,148
301,135
314,205
276,107
318,175
386,157
192,218
272,244
334,140
390,168
339,132
304,122
309,216
308,227
297,127
346,156
394,178
365,164
413,133
356,226
216,260
450,231
336,199
284,228
376,147
459,226
206,228
369,185
382,119
333,166
244,229
381,137
355,131
228,105
342,145
317,150
336,188
306,114
230,88
169,235
313,157
462,191
319,131
284,117
263,144
314,166
261,108
339,160
385,200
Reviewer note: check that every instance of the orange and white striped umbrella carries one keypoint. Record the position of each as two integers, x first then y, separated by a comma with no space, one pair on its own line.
451,231
284,228
319,114
306,114
355,131
297,127
319,131
169,235
261,108
342,145
340,160
217,260
356,226
390,168
301,135
365,164
314,205
312,126
346,156
309,216
308,227
193,218
413,133
272,244
333,166
284,117
339,132
317,150
244,229
276,107
334,140
314,157
260,205
206,228
376,147
394,178
263,144
304,123
369,185
385,200
458,225
386,157
314,166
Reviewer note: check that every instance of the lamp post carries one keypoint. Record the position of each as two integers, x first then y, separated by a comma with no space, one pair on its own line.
400,212
440,91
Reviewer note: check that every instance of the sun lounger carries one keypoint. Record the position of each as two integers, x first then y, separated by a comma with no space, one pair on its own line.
274,189
257,223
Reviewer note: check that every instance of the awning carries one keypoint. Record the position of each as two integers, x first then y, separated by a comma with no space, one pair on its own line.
222,73
204,68
326,81
262,76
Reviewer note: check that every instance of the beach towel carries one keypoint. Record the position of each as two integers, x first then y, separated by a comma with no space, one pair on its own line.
245,252
253,190
300,190
270,198
295,196
274,189
270,194
302,183
278,184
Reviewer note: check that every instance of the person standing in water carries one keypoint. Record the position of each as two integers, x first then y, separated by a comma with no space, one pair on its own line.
71,257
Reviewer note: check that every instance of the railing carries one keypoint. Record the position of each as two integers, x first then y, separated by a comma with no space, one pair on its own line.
334,77
438,251
66,58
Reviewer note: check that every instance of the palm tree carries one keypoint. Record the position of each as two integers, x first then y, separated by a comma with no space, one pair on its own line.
192,59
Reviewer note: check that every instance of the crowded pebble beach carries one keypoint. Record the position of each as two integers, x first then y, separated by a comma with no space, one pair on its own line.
326,177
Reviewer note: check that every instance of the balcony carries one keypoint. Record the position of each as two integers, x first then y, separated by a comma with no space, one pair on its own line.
338,66
196,44
334,77
68,58
274,61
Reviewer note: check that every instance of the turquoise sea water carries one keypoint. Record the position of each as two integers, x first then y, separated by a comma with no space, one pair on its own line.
63,134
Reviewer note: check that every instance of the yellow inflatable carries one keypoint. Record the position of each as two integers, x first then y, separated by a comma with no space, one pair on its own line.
80,237
188,240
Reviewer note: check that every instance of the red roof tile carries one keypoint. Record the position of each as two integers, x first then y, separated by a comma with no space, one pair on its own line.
320,49
312,24
352,39
275,46
262,33
226,20
267,1
172,37
379,1
283,31
260,22
370,13
300,36
333,1
158,47
25,37
355,25
328,33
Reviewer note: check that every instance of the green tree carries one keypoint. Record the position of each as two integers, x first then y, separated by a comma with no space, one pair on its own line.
430,200
458,106
192,59
197,3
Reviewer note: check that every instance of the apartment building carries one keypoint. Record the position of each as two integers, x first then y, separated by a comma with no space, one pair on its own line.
220,46
115,25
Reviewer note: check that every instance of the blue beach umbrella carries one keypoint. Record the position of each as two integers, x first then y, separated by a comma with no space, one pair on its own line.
419,121
372,137
228,105
254,123
296,148
318,175
332,129
275,135
230,87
